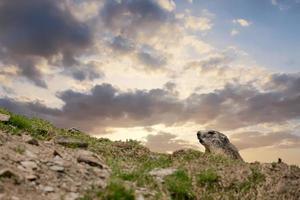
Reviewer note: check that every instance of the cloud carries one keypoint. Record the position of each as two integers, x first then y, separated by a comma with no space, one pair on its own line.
166,142
247,140
234,32
151,58
242,22
135,18
48,30
233,106
198,23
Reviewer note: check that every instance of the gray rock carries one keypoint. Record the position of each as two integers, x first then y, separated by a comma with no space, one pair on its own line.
70,142
71,196
90,159
74,130
57,168
47,189
4,118
29,165
162,172
218,143
31,177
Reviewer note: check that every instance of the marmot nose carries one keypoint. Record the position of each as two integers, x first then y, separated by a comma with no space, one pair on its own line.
198,134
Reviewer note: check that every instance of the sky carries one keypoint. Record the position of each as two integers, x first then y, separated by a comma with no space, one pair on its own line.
158,71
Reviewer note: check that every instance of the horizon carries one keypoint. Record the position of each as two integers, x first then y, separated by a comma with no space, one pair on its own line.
157,71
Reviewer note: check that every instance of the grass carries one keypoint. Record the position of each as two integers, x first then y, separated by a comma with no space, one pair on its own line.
115,190
252,181
20,122
208,178
179,185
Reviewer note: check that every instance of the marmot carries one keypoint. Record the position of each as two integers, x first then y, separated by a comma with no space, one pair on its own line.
218,143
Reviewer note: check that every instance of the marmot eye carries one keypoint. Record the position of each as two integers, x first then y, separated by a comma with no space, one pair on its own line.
211,132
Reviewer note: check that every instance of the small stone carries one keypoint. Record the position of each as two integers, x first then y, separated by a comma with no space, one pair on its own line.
33,142
48,189
58,160
4,118
28,139
29,165
31,177
57,168
71,196
30,154
162,172
74,130
90,159
70,142
56,153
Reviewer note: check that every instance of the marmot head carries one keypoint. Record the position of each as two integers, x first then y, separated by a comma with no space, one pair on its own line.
212,139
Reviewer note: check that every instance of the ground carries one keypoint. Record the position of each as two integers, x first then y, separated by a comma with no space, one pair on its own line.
40,161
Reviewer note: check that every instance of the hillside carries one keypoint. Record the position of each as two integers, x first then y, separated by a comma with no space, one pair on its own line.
40,161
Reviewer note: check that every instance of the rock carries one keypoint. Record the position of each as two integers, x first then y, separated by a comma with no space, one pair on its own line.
31,177
70,142
47,189
218,143
71,196
30,154
29,165
58,161
161,173
90,159
33,142
4,118
57,168
74,130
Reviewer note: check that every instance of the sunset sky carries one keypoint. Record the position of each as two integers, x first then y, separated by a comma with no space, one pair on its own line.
158,70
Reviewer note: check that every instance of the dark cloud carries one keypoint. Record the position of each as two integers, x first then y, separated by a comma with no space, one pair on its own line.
34,29
88,72
151,60
122,44
108,106
46,28
133,17
31,109
231,107
30,71
166,142
257,139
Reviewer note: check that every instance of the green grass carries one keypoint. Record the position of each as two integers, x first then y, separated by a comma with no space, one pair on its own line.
115,190
4,111
208,178
252,181
179,185
20,122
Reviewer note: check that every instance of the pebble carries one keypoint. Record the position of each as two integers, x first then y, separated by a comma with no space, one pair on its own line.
48,189
71,196
31,177
29,165
57,168
4,118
